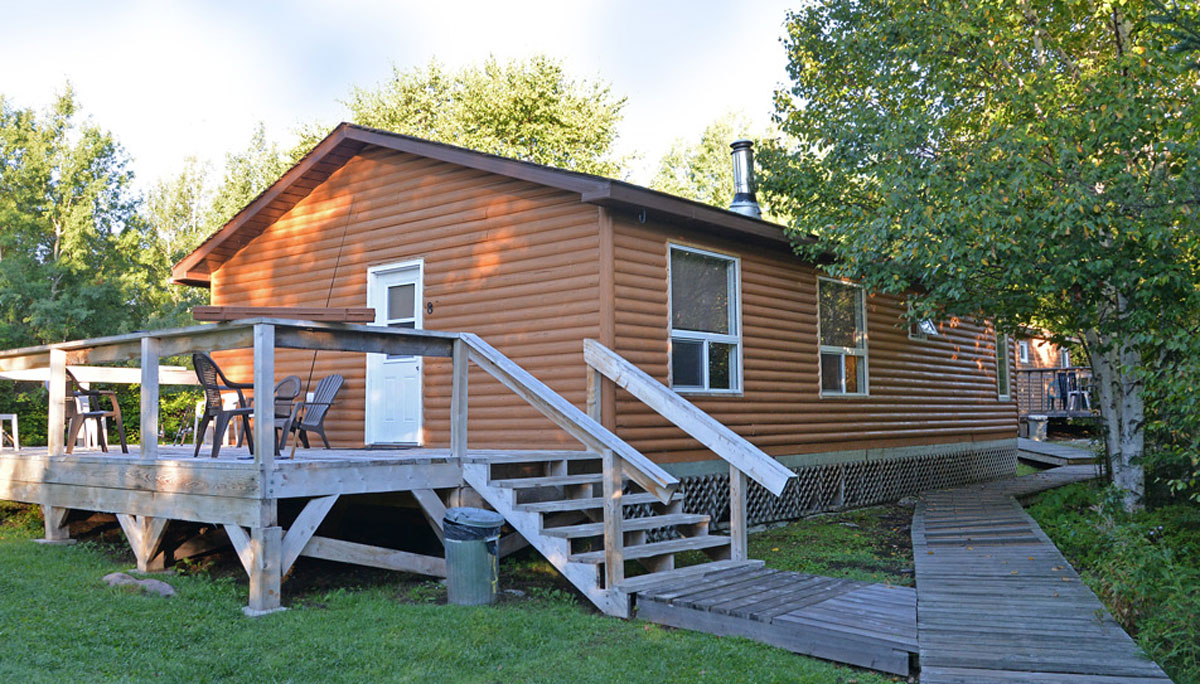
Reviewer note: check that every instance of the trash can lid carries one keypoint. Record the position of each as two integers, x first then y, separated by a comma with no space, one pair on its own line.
474,517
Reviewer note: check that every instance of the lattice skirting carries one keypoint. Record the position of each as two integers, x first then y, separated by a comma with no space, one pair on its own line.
850,485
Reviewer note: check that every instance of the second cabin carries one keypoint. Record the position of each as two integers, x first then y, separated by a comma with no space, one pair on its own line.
828,379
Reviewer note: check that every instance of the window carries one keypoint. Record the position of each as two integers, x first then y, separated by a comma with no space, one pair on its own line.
1023,351
1066,358
842,329
1002,345
705,324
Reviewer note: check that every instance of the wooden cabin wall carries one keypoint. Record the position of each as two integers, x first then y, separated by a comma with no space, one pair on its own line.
942,390
514,262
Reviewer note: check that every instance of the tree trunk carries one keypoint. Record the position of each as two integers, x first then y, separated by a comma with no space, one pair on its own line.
1118,391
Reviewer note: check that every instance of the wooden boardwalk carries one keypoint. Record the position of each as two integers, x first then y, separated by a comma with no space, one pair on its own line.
1052,453
864,624
997,602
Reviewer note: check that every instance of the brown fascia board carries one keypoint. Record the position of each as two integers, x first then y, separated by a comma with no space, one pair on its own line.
194,269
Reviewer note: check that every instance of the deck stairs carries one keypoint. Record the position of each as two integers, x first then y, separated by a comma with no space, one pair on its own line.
554,500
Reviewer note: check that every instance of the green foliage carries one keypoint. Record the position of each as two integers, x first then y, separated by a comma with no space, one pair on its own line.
1035,162
67,210
703,171
530,110
1145,567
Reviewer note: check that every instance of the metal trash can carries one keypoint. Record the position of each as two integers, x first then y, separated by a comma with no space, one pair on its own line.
472,555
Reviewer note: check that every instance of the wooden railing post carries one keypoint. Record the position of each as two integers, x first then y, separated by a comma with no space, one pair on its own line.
56,415
614,537
149,415
458,401
264,396
595,395
737,514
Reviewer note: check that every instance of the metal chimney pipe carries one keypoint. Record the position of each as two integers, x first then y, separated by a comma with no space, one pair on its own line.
744,201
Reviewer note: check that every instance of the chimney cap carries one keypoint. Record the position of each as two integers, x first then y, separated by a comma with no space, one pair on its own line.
744,201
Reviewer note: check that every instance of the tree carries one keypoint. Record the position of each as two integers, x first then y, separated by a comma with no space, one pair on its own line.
702,170
65,202
1035,162
528,109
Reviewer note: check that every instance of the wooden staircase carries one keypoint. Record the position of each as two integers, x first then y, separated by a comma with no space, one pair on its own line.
590,511
554,499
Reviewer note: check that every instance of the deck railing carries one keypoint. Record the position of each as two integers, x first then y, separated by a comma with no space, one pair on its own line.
744,458
1055,392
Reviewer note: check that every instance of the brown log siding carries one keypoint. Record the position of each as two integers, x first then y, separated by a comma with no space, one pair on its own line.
515,262
921,392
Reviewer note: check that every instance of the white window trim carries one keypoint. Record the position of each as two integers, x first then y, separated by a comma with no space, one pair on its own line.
1065,356
1023,351
852,351
1003,343
735,326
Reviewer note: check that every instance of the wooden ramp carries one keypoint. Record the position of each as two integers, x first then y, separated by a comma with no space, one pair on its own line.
1052,453
997,602
869,625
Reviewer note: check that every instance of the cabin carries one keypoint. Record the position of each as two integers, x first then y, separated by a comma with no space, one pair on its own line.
827,379
1050,383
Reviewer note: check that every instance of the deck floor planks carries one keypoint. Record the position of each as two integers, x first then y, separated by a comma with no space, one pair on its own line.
1003,605
852,622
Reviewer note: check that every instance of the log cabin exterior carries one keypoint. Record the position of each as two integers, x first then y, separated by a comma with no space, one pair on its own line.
536,260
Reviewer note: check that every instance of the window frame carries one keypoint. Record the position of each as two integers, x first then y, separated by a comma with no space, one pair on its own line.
863,354
1003,348
734,338
1023,351
1064,357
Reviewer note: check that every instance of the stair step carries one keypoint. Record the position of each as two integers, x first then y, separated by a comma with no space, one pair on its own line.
655,549
589,502
649,523
511,456
688,575
550,481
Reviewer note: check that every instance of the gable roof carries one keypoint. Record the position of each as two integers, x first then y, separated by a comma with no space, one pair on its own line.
347,140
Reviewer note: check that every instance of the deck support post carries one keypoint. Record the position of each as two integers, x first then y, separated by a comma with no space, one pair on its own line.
595,395
264,399
614,537
55,518
56,415
737,514
145,535
266,565
149,416
458,401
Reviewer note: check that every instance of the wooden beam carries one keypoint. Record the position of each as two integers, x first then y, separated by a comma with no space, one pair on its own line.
145,535
373,340
433,508
56,416
705,429
737,514
264,390
458,401
149,412
197,508
374,556
266,576
304,527
55,519
241,544
342,314
595,394
614,537
167,375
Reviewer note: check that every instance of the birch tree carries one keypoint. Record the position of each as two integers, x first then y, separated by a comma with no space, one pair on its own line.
1033,161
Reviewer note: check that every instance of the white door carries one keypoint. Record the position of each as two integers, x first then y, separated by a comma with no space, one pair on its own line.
393,410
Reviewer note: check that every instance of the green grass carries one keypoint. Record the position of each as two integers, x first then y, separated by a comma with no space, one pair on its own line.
1145,567
59,622
1026,469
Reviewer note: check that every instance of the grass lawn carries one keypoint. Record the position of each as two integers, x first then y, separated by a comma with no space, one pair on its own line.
59,622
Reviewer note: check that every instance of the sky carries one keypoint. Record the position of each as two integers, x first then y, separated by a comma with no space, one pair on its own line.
173,79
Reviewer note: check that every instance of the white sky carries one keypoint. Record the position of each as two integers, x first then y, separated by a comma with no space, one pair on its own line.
172,79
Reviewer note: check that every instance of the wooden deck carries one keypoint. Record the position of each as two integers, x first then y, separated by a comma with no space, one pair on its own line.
1052,453
864,624
997,602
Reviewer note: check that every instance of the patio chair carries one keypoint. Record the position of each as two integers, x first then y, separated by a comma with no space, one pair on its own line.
213,381
79,409
314,412
286,409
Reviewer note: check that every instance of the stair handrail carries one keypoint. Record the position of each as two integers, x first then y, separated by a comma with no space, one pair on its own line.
710,432
648,474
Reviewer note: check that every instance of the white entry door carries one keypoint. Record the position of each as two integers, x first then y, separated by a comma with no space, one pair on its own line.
393,410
